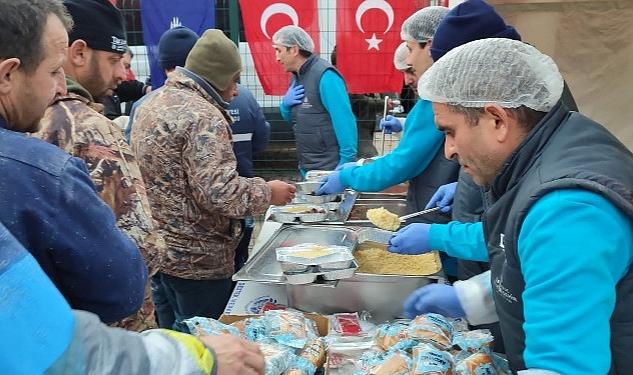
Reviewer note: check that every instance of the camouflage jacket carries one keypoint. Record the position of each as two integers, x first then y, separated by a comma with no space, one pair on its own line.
182,139
75,124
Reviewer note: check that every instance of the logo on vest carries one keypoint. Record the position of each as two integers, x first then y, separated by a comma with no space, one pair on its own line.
504,292
306,103
501,238
235,113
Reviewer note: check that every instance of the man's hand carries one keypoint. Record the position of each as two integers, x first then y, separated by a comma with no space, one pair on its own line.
390,125
434,298
331,184
282,193
411,240
235,356
294,95
443,197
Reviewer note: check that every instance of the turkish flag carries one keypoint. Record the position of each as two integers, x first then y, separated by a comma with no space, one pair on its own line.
262,18
367,35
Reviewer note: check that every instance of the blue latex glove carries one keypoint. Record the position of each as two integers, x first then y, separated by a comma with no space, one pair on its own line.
412,239
434,298
294,95
443,197
390,125
331,184
343,166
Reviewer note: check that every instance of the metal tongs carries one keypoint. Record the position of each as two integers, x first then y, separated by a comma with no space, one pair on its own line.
405,217
384,114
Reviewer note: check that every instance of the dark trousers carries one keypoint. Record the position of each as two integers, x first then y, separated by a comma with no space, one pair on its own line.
178,299
241,252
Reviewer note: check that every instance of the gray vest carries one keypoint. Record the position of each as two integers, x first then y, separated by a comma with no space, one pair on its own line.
565,150
440,171
317,145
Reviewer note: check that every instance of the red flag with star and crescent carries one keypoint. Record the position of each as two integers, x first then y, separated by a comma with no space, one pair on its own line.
367,35
262,18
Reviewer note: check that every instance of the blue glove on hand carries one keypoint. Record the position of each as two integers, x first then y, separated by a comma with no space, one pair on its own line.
434,298
331,184
390,125
412,239
343,166
294,95
443,197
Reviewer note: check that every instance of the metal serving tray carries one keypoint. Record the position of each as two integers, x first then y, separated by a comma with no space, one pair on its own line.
358,212
264,267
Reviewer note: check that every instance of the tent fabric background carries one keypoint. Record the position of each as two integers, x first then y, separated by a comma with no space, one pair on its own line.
592,43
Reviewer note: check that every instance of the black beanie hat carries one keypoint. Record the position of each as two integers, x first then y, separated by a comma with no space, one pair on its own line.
174,46
469,21
98,23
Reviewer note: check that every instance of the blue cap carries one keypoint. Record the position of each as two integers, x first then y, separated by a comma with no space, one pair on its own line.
469,21
174,46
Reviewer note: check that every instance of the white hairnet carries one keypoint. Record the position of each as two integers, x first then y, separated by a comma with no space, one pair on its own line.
290,36
421,25
401,54
496,70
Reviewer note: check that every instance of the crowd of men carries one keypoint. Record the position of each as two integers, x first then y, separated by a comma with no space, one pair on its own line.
97,227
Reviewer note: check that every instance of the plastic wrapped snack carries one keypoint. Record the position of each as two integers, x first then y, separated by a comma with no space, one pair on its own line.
476,364
310,358
389,335
432,328
277,357
429,360
394,363
289,328
383,219
200,326
479,340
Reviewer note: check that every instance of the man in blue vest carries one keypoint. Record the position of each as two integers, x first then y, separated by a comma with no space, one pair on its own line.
251,133
316,103
418,158
560,212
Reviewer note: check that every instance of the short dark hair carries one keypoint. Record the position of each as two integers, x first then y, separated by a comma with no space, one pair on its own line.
526,117
22,25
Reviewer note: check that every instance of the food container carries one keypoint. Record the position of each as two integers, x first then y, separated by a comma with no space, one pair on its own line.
381,295
314,254
307,187
316,175
300,213
375,235
297,278
320,199
332,206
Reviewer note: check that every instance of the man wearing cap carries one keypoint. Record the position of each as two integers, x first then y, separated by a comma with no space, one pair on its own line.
76,124
560,214
316,103
418,158
173,47
48,201
182,138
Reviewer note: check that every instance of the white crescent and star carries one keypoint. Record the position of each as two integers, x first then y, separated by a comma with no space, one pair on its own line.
383,5
277,8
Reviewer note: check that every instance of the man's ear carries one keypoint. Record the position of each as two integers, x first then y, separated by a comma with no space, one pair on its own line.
8,70
502,120
428,45
78,53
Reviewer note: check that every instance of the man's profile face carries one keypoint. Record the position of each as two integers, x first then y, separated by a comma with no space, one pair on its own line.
105,72
285,56
35,91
